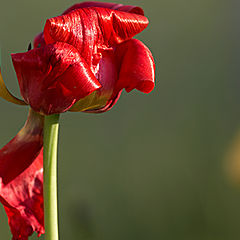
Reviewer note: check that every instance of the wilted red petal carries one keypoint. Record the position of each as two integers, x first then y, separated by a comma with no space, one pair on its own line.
54,77
114,6
21,179
88,29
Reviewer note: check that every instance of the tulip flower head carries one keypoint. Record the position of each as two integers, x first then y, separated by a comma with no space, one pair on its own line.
81,61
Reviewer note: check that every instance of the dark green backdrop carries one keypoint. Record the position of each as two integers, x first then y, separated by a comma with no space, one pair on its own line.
152,167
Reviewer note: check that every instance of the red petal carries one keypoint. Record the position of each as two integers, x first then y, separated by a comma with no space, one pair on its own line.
39,39
107,71
137,67
114,6
21,179
53,78
90,28
136,70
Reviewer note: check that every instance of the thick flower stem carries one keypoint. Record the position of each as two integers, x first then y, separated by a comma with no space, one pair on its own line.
51,124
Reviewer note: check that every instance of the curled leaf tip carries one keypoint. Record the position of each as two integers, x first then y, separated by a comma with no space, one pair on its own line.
5,94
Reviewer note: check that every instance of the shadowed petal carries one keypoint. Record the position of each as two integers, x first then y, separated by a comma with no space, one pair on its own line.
21,178
53,78
39,41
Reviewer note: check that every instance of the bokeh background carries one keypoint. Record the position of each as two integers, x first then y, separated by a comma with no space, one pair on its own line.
156,166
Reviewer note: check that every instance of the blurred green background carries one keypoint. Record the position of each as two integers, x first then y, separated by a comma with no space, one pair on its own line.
154,166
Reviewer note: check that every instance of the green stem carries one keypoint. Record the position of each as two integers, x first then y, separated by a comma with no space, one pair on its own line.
51,124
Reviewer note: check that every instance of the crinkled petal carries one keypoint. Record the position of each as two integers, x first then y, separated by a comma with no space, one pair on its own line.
54,77
39,39
114,6
90,29
21,179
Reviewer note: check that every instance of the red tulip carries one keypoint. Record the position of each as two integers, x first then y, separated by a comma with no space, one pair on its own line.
81,62
86,50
